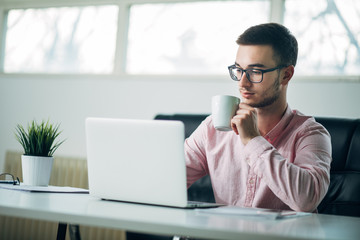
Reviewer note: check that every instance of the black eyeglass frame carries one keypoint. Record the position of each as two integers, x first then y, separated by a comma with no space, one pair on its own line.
13,181
233,77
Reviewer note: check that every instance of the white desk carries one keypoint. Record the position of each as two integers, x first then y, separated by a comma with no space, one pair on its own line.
83,209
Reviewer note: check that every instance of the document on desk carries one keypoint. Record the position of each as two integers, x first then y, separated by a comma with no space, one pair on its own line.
48,189
252,212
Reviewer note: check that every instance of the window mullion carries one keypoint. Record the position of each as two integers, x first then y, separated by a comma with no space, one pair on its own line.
3,23
277,9
121,38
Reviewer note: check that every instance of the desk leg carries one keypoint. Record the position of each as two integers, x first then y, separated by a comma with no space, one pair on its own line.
74,232
61,234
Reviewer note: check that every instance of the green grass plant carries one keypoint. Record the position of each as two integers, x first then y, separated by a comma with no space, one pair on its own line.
38,139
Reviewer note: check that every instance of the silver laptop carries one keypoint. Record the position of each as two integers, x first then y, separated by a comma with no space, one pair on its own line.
139,161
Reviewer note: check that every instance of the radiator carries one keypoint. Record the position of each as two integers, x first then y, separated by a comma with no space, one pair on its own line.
67,171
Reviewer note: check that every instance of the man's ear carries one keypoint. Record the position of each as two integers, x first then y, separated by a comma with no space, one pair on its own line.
288,73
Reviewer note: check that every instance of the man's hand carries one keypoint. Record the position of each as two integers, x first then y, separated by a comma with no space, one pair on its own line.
244,123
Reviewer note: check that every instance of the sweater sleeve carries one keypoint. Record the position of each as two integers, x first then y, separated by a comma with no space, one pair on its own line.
302,180
195,155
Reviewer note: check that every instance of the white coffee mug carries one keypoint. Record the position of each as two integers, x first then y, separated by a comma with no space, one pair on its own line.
223,109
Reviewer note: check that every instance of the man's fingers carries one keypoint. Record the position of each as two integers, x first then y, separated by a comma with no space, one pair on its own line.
234,127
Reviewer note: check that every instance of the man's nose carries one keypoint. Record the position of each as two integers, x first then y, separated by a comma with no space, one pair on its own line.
244,81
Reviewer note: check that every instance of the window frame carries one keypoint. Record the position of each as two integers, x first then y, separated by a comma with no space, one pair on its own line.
277,8
121,34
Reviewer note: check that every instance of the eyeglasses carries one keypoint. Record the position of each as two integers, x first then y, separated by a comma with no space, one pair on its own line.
9,179
254,75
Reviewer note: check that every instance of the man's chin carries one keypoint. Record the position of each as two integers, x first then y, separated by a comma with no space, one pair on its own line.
248,102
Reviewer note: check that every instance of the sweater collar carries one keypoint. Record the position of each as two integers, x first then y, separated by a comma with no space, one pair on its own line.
274,133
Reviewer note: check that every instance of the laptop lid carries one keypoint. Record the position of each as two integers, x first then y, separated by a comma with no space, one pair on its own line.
138,161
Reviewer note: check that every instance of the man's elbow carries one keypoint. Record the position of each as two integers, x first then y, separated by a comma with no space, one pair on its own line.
309,198
308,202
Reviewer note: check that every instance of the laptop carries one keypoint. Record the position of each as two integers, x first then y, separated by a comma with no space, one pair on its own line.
138,161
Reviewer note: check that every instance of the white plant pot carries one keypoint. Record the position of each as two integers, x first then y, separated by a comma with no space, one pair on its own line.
36,170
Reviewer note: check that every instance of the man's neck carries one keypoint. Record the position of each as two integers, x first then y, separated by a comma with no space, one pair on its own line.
269,116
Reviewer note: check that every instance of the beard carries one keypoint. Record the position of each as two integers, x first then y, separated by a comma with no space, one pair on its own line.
274,92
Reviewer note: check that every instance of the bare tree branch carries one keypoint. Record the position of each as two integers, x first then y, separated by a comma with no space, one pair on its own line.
332,6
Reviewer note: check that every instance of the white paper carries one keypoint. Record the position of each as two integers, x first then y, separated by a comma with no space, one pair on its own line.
251,212
48,189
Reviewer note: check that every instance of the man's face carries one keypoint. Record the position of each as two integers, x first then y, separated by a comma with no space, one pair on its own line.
260,57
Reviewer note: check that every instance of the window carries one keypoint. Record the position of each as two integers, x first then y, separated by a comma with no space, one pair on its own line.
192,37
189,38
61,40
328,32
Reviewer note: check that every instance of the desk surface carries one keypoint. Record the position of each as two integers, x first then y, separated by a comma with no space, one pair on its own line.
83,209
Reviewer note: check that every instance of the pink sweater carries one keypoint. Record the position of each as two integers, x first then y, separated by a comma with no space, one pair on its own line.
289,168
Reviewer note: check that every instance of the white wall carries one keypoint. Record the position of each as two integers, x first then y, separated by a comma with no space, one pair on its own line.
69,100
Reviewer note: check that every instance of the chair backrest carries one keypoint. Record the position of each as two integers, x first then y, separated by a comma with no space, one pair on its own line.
343,196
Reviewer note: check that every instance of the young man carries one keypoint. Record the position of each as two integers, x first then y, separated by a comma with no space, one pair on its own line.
275,157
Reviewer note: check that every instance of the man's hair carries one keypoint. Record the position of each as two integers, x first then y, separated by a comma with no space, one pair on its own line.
277,36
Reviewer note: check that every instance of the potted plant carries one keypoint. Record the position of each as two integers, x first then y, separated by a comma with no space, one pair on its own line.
38,142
